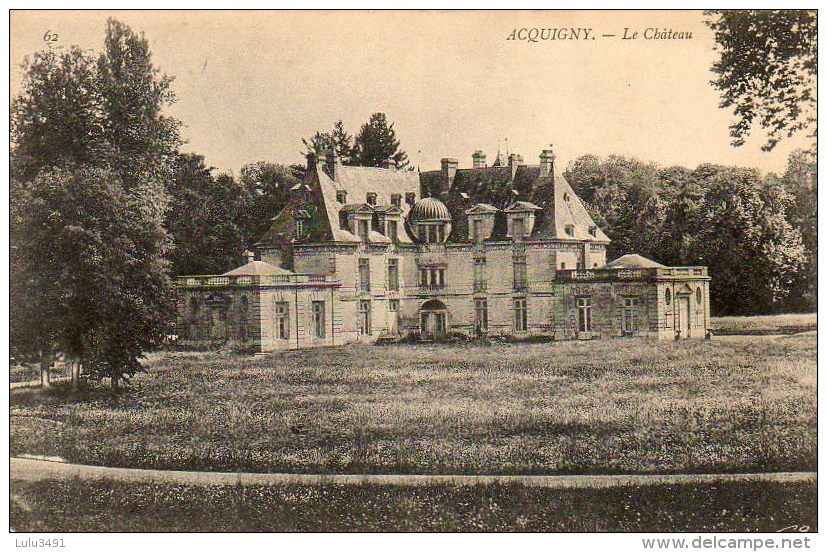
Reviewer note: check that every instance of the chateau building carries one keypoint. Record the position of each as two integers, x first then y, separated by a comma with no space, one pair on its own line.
360,253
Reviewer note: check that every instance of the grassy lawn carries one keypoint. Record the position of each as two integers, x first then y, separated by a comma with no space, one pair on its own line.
107,506
28,371
616,406
764,325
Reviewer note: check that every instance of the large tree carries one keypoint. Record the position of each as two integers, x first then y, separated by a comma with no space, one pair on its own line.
57,116
267,186
107,121
623,197
205,219
740,231
377,142
801,181
338,140
767,70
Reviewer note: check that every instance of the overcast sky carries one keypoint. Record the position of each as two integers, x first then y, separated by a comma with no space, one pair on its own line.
250,85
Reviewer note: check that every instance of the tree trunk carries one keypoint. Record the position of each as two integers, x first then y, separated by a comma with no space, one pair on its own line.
76,374
45,369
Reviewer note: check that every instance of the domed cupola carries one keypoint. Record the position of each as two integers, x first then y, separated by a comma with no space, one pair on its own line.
430,221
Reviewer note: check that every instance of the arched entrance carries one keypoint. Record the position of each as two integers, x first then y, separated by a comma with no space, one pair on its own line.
433,319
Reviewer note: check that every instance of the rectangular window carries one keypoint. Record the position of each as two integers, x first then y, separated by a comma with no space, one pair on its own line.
593,231
393,274
371,198
410,198
476,230
364,230
281,315
479,274
432,277
584,314
341,196
396,200
318,319
520,315
364,274
630,314
570,230
481,314
518,229
393,305
422,233
520,273
299,228
364,317
393,234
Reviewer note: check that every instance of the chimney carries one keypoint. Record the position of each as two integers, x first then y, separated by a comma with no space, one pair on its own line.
547,163
389,164
479,159
332,163
449,171
312,159
249,256
514,161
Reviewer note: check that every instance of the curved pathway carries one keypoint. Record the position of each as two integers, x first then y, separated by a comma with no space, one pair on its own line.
31,470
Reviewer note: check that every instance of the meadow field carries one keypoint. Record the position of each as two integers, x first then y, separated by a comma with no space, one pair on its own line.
109,506
732,404
771,324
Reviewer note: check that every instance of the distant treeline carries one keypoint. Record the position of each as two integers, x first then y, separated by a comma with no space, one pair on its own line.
757,234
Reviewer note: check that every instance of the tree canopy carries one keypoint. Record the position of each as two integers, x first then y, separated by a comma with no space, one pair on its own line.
92,154
731,219
375,143
767,70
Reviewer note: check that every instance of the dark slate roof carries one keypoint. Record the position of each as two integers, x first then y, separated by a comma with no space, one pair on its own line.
558,205
357,182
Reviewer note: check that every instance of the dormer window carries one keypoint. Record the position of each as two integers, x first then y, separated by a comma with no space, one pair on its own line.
341,196
570,230
410,198
396,200
518,229
364,230
371,198
593,231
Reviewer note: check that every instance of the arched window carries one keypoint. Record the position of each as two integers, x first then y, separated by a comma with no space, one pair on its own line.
668,296
698,295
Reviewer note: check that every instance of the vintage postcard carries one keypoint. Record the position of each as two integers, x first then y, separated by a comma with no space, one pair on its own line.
414,271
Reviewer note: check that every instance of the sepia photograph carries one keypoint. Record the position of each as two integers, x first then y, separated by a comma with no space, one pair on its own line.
414,271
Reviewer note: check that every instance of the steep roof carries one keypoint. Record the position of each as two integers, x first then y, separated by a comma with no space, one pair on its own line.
562,208
633,261
256,268
558,206
357,182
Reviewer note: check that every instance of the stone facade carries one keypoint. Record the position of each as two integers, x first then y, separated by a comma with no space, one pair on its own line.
505,250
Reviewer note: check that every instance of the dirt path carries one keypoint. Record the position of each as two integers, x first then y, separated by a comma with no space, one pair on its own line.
30,470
